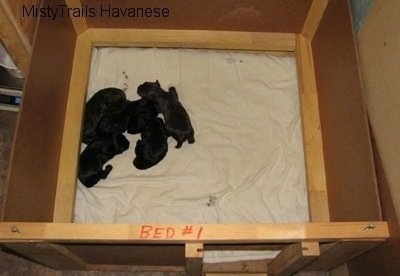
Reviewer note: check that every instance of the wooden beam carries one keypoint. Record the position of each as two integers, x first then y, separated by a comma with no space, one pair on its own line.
335,254
70,146
237,274
179,233
226,40
312,136
134,268
313,18
79,22
51,255
248,266
293,258
14,38
194,259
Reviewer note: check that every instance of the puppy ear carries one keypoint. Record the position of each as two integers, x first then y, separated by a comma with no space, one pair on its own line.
158,83
160,121
173,92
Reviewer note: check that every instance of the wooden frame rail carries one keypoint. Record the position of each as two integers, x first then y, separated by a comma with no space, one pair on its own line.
14,39
183,233
302,246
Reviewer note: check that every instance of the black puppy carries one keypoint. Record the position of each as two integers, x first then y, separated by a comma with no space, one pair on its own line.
115,122
132,116
177,121
103,101
96,154
153,145
141,112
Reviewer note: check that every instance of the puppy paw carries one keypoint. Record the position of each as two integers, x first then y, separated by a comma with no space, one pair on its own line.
178,145
108,169
104,173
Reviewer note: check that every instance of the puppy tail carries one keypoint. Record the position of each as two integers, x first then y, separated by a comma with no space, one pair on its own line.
104,173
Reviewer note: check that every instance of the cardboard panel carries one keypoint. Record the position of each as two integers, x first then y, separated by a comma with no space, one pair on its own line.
382,260
238,15
349,166
34,164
